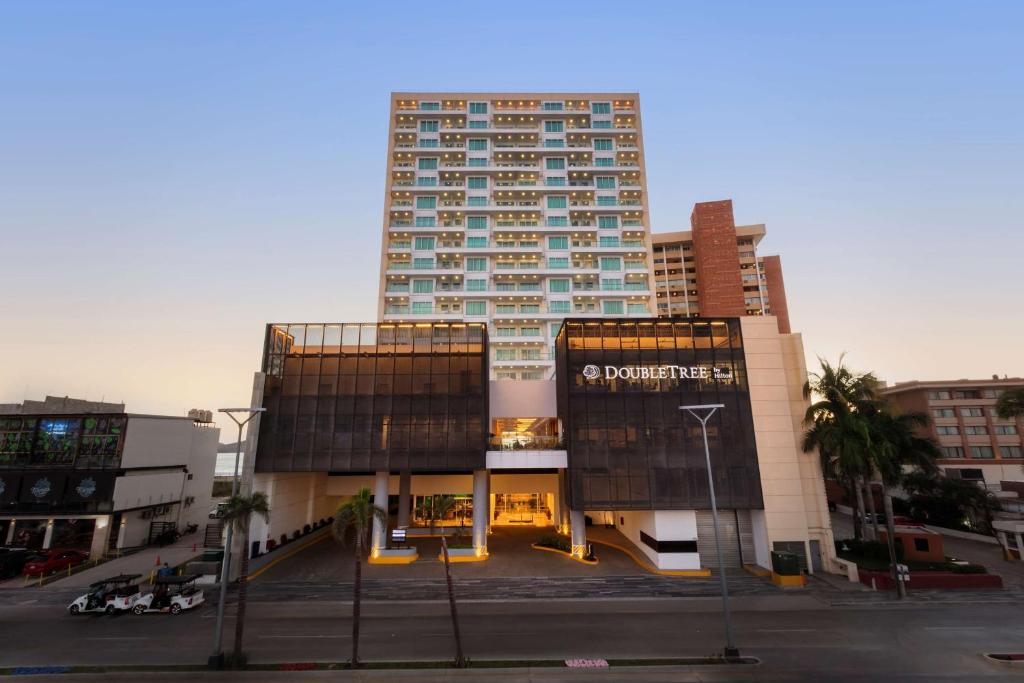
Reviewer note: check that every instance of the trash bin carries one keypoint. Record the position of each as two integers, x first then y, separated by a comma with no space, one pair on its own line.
785,564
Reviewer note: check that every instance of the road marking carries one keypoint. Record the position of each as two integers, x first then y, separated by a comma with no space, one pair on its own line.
955,628
118,638
297,635
785,630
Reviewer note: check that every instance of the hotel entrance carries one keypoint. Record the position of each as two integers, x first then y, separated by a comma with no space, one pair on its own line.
523,509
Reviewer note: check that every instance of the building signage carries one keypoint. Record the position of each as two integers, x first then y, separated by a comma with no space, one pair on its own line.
642,372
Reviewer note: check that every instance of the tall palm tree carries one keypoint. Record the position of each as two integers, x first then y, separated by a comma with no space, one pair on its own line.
1011,404
239,511
836,430
357,514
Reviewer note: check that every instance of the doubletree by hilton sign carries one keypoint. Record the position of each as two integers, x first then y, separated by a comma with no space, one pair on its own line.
642,372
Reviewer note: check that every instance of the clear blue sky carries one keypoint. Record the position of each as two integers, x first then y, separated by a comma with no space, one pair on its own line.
174,175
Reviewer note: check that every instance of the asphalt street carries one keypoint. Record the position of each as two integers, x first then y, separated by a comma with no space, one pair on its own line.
796,637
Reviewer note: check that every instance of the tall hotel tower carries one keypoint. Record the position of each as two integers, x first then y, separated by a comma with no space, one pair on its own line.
517,210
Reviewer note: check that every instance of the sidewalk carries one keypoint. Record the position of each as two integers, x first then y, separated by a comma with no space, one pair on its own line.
141,562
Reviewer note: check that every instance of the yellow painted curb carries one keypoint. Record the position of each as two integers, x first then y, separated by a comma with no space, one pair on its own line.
463,558
757,571
789,581
562,552
394,559
692,573
284,557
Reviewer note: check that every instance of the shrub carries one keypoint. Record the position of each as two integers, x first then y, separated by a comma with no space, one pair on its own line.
867,550
967,568
306,529
296,535
284,539
556,542
271,544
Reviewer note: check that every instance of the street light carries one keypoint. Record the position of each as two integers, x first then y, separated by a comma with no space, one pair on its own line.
730,647
217,658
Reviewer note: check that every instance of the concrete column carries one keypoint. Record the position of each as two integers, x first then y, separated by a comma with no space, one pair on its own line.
481,511
579,533
404,497
100,535
48,535
380,499
122,529
10,533
1020,546
563,503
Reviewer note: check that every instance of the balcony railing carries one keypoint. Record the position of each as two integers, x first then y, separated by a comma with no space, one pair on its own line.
526,443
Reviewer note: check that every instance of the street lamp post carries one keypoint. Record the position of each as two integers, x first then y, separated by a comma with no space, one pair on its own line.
217,658
730,647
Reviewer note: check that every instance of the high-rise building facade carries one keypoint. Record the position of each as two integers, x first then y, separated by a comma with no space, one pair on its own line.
714,269
517,210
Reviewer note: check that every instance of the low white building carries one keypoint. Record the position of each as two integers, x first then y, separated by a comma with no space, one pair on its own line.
90,476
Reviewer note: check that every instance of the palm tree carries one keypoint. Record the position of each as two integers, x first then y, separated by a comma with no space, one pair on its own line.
359,514
437,509
239,511
836,430
1011,404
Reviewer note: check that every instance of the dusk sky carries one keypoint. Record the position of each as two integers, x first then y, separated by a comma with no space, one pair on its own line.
175,175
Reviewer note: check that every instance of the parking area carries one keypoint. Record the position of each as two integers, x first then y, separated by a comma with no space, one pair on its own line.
508,547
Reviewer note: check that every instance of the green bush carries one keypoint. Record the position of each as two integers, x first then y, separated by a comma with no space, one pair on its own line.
866,550
556,542
966,568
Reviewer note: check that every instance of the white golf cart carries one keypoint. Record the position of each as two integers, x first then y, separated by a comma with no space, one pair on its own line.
170,594
116,594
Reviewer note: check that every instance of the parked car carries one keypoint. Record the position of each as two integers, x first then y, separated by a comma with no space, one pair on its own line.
12,561
171,594
219,511
50,561
118,593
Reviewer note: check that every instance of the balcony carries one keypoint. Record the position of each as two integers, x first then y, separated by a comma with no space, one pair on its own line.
524,442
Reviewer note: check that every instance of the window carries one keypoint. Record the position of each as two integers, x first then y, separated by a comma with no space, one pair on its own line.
608,241
476,183
611,307
558,242
968,393
476,161
559,262
921,545
529,331
476,223
529,308
605,182
554,127
476,242
554,164
938,395
426,221
557,221
477,107
423,263
427,164
430,106
983,452
965,473
611,263
477,124
422,306
611,284
636,308
476,308
504,308
425,243
530,374
947,431
555,327
504,354
604,161
557,202
601,108
428,142
476,144
952,452
1010,451
552,106
601,124
1005,430
429,126
476,264
476,201
505,332
426,202
602,144
972,430
559,307
607,201
558,285
555,181
427,181
476,285
607,222
943,412
554,142
972,412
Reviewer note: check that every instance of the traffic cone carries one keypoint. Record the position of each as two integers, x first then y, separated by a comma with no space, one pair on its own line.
157,564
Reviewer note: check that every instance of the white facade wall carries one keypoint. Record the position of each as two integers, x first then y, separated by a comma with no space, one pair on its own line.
661,525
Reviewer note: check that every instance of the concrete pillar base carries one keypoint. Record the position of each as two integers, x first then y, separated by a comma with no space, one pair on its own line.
481,511
380,527
579,533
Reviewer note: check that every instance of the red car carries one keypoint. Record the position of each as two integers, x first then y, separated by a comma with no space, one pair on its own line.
50,561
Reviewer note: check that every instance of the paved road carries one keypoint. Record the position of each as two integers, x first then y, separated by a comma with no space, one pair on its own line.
795,636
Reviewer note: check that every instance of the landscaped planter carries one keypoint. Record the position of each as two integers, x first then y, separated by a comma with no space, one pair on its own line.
926,579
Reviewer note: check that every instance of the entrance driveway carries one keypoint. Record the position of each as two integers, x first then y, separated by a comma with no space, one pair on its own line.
510,556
